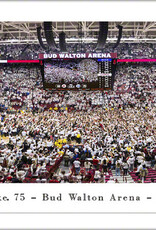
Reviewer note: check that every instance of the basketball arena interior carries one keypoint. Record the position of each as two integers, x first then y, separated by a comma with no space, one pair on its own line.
77,102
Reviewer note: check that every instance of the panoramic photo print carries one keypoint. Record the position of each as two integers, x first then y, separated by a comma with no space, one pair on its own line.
77,102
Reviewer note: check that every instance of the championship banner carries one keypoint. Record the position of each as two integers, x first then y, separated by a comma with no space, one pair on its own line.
77,55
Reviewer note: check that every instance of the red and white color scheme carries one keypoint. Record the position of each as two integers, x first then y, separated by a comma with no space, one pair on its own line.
77,55
136,60
19,61
112,54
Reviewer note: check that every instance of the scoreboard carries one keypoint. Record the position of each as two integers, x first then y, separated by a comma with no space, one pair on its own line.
106,72
80,73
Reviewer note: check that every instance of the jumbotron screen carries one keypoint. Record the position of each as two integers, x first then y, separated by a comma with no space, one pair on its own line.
75,74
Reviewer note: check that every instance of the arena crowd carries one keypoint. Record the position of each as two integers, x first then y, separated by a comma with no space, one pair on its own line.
78,136
125,50
71,71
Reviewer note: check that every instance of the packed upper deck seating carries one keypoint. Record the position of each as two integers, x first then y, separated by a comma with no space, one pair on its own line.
124,50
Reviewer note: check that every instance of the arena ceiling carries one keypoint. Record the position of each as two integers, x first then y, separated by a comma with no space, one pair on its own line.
25,32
